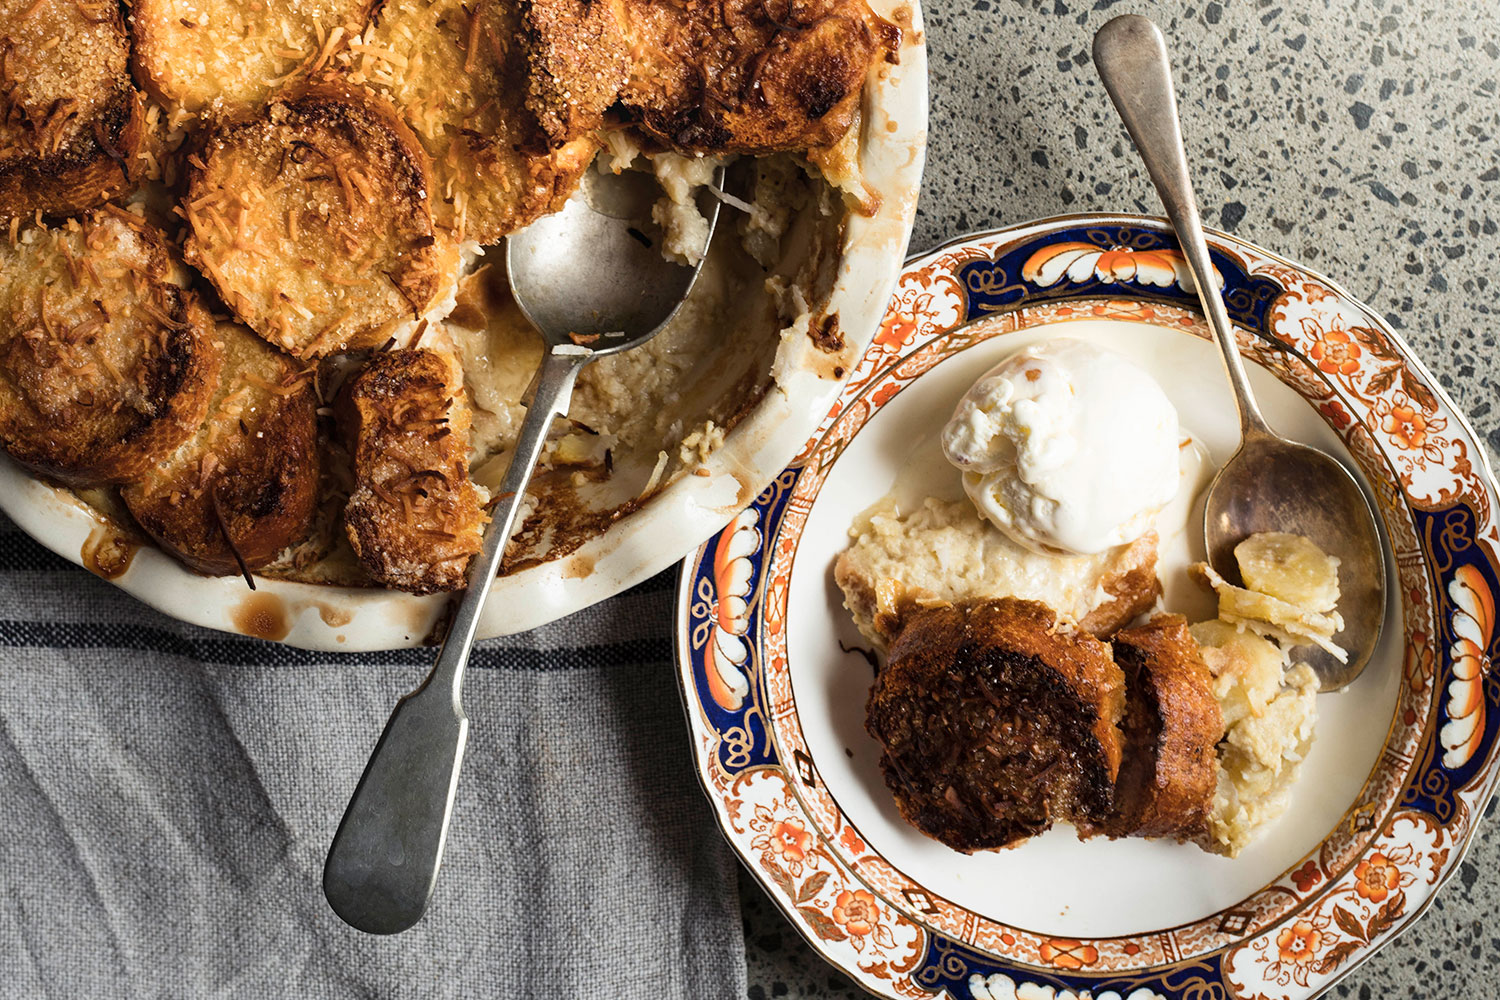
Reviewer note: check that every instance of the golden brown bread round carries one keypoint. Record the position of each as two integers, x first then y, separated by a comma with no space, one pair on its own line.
996,720
741,76
456,71
577,59
245,487
105,365
311,219
751,76
71,123
1172,727
414,517
198,55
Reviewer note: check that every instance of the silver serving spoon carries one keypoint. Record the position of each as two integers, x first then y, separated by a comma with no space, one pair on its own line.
1270,483
594,284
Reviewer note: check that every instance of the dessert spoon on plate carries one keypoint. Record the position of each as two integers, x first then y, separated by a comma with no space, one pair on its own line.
593,284
1269,483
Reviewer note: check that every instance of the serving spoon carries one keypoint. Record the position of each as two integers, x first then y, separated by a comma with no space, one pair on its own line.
594,284
1269,483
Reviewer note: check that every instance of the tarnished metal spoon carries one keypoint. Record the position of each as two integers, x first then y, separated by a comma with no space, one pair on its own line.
1270,483
594,284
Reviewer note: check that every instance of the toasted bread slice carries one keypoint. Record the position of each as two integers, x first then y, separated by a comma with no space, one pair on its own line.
193,55
71,123
742,76
457,74
578,60
311,219
996,719
1172,727
245,486
414,518
105,365
751,76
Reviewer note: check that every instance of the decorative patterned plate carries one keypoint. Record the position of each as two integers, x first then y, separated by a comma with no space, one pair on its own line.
1390,794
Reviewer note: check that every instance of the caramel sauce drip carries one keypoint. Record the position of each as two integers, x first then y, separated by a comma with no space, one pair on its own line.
107,552
263,616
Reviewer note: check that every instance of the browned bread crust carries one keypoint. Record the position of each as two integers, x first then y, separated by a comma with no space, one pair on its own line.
739,76
245,487
71,123
751,76
578,62
105,365
995,721
226,55
414,518
456,70
1131,593
1172,727
311,219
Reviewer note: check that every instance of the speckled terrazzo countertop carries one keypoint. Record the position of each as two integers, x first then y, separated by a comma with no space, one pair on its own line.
1356,136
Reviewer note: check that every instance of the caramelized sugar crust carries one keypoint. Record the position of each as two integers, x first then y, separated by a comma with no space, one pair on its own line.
995,721
106,366
71,123
414,517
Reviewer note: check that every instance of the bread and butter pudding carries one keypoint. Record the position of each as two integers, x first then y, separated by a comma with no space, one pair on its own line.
996,719
1171,727
1031,674
245,309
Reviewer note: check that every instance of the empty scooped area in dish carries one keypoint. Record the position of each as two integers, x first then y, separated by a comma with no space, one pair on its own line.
643,418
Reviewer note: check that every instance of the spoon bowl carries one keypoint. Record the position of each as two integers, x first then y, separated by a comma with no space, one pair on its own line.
595,270
1270,483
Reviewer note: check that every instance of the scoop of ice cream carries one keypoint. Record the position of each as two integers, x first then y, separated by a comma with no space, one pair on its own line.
1066,446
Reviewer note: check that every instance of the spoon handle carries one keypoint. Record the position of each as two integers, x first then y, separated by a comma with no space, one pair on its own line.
383,862
553,390
1131,57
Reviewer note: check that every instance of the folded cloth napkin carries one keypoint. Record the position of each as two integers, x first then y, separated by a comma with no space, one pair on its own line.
167,795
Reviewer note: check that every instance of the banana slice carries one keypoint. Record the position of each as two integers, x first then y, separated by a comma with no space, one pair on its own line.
1291,568
1246,668
1271,616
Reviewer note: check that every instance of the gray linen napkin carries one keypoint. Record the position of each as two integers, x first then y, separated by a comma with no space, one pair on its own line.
167,795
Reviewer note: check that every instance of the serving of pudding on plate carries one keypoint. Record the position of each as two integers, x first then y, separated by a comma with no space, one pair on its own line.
1032,674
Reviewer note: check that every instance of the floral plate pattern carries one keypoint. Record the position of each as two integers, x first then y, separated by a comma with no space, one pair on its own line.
1401,836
